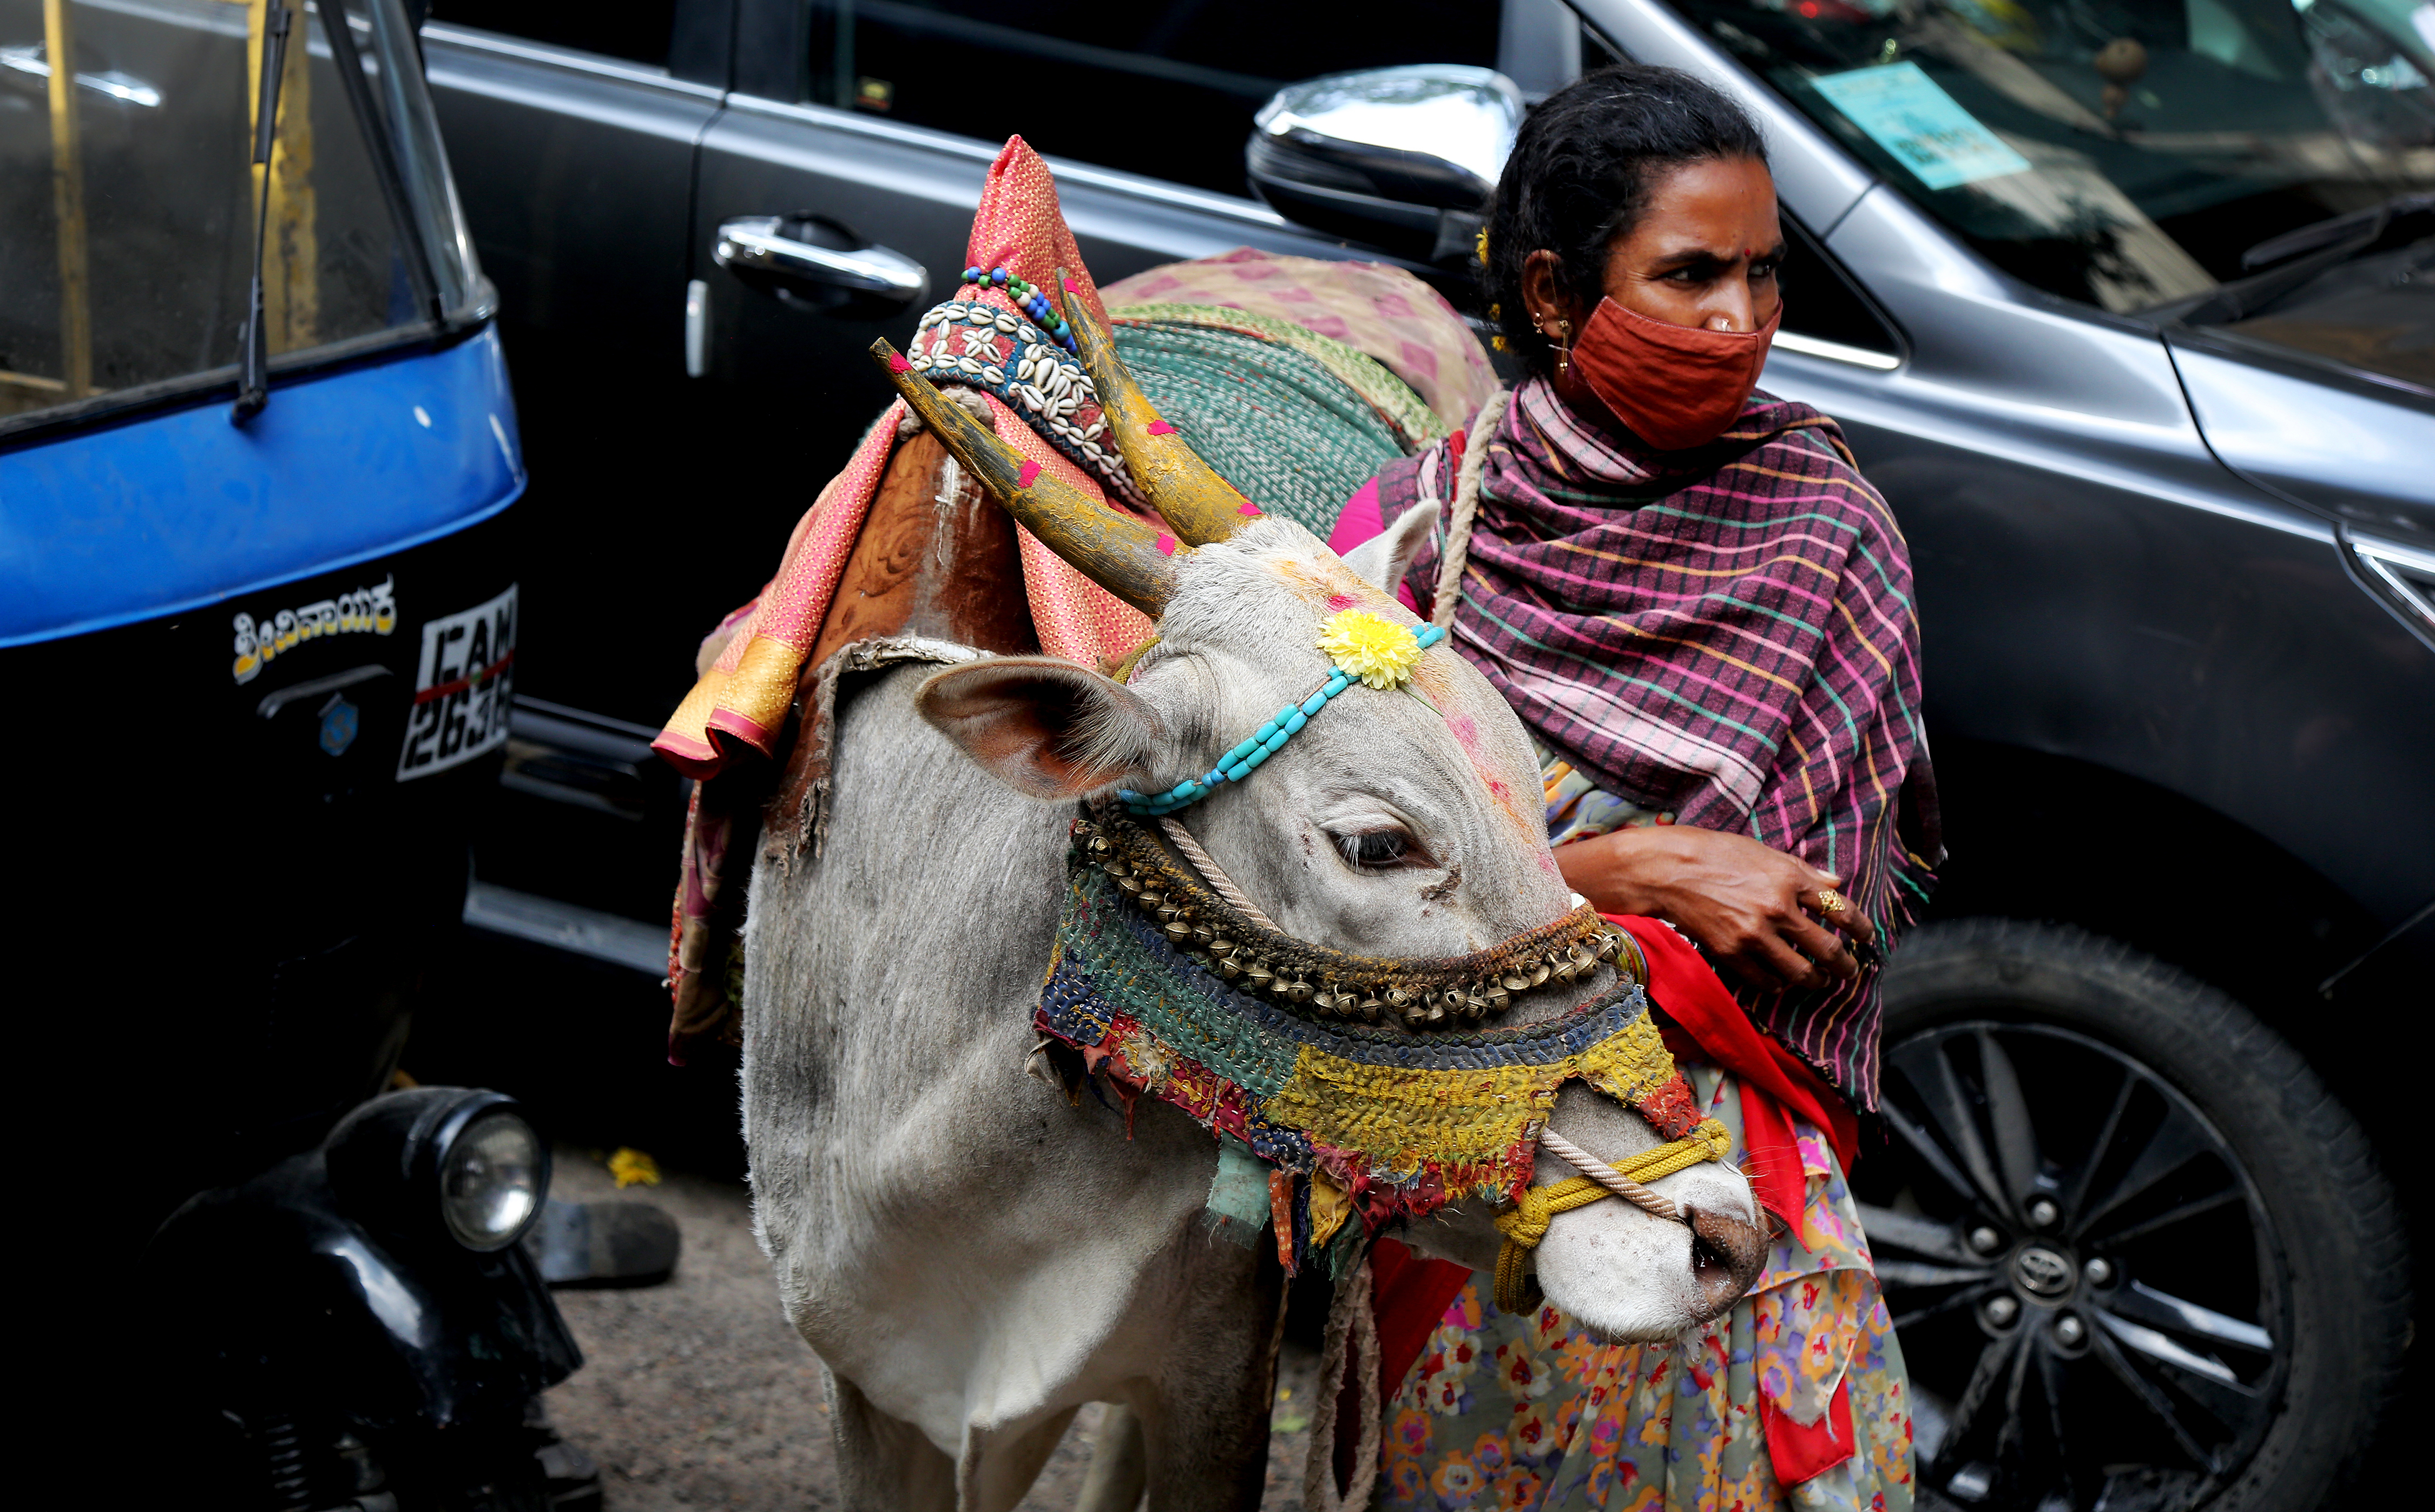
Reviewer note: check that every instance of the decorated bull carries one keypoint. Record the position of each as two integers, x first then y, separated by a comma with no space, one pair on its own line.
1282,874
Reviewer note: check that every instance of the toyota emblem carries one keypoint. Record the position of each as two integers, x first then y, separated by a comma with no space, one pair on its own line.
2042,1271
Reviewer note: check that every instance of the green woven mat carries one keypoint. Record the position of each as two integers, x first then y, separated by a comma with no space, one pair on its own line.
1296,427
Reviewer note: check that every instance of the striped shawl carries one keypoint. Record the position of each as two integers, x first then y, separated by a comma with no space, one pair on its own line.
1727,633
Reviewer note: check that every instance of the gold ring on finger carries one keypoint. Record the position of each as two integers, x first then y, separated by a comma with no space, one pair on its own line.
1829,900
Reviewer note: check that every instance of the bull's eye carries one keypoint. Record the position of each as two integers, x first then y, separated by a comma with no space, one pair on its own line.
1375,850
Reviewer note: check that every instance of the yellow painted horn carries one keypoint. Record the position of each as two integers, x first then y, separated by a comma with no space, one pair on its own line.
1187,491
1119,552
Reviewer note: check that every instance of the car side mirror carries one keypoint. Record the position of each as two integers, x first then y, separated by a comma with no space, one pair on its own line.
1401,158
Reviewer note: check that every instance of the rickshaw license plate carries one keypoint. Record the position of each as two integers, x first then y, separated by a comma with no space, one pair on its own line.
462,689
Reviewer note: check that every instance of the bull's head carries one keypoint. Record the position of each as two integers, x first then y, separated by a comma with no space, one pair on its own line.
1392,825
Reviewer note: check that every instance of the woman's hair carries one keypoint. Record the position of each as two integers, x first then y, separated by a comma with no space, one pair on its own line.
1579,178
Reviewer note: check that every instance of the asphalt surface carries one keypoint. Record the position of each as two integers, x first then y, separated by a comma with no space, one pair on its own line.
697,1393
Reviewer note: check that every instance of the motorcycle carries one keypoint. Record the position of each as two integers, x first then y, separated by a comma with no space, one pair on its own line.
259,621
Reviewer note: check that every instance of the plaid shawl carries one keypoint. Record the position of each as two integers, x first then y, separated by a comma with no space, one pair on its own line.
1725,632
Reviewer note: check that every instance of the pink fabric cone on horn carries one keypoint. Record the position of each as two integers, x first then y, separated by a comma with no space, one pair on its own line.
744,697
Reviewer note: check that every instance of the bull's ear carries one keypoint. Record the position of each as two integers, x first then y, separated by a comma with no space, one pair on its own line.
1042,725
1382,559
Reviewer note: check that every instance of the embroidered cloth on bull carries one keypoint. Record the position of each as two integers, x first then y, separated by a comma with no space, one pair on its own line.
1375,1121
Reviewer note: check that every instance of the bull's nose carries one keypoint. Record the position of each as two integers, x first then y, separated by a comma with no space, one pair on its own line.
1725,1257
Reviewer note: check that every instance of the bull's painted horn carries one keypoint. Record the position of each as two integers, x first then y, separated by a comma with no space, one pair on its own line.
1121,554
1188,493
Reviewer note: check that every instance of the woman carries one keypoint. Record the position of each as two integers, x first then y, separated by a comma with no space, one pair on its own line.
1703,611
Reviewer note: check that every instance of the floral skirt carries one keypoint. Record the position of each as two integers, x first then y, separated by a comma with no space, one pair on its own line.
1796,1398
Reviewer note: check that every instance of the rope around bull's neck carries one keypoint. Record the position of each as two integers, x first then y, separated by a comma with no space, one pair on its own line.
1464,510
1222,884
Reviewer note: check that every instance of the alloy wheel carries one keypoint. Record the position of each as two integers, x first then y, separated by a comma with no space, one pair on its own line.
2090,1297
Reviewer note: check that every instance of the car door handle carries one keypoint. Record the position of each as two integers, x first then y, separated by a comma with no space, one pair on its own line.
756,245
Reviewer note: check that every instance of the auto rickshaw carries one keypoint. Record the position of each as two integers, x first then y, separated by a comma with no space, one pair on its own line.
259,619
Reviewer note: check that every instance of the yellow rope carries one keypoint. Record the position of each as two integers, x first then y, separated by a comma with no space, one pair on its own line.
1525,1223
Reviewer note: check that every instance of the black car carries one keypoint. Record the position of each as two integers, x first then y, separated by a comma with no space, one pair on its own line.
2125,306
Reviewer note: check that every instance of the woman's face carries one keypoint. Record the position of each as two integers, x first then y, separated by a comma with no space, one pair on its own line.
1705,254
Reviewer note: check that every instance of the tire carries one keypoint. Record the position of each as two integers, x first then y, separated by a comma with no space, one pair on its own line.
2081,1143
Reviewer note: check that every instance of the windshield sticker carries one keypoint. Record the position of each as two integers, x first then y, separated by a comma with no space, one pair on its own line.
462,691
365,612
1910,115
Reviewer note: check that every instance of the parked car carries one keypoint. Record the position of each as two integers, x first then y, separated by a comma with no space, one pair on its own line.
2126,308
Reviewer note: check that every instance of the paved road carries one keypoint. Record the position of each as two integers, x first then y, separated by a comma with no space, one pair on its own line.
698,1394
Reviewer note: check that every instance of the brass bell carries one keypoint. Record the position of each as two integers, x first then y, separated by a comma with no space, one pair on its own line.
1178,930
1168,914
1475,1008
1099,846
1221,945
1323,1001
1516,982
1149,899
1129,887
1371,1008
1203,935
1498,1000
1259,975
1227,969
1539,973
1608,948
1301,992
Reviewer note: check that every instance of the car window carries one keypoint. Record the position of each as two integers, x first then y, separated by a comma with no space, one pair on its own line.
636,30
2122,152
1163,89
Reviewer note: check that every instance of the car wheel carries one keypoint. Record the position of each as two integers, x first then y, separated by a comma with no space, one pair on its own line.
2137,1255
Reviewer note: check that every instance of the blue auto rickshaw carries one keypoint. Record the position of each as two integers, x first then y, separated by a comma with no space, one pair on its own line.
258,625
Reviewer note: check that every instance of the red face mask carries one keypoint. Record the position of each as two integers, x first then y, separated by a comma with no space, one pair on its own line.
1675,385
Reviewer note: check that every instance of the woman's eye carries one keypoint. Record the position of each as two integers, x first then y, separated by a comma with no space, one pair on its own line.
1372,849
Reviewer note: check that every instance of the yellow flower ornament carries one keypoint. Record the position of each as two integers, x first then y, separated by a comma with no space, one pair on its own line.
1372,647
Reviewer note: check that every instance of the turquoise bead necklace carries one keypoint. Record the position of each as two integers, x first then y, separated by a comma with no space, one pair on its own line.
1262,743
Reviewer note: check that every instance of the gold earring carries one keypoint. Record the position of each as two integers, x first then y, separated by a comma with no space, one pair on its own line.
1563,348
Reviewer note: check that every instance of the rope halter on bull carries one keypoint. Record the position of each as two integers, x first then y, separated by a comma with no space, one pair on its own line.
1198,907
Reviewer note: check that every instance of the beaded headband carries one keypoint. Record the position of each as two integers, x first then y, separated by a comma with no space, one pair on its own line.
1366,648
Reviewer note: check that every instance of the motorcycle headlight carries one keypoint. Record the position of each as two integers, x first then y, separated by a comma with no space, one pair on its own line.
467,1153
491,1181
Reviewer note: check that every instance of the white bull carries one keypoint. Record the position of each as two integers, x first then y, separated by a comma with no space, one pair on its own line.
973,1256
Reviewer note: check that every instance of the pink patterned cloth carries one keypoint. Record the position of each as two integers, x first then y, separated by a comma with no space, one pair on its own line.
1382,311
744,698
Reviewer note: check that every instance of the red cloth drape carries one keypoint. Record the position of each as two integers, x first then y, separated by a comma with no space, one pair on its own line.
1703,1023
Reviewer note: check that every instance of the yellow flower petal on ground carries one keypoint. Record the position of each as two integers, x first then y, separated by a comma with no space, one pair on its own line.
631,1165
1371,646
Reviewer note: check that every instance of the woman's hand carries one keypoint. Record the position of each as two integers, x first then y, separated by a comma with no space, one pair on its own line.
1749,903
